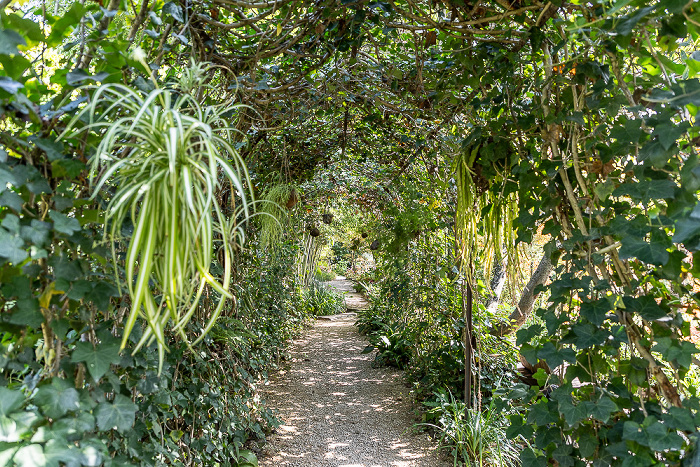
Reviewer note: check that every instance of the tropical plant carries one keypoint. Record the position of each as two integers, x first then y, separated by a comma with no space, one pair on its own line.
164,155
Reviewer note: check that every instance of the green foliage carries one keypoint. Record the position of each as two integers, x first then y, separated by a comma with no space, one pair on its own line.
475,438
274,206
320,299
164,153
392,343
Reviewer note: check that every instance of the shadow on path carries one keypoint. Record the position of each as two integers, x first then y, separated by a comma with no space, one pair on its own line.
337,410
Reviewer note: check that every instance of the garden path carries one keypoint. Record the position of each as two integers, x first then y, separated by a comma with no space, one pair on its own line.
339,411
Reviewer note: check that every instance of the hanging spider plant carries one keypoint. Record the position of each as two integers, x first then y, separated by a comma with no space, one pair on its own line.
275,205
165,156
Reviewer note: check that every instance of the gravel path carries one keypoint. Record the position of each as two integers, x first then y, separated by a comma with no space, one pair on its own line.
337,410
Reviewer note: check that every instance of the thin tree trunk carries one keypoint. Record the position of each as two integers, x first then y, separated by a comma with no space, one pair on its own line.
498,280
527,300
468,340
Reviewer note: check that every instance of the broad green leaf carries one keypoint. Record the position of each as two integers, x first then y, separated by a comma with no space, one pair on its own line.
686,229
603,408
662,439
57,450
26,313
53,149
595,311
98,358
543,413
174,10
119,414
647,190
573,413
633,431
12,248
526,334
57,399
10,401
9,85
680,419
587,443
588,335
64,224
555,357
645,306
9,433
32,455
650,252
518,428
674,350
9,40
530,458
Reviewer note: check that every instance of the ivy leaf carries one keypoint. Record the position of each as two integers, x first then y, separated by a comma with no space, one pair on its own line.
633,431
595,311
663,439
554,357
119,414
686,229
57,399
562,454
587,444
603,408
78,76
588,335
680,419
12,247
57,451
174,10
530,458
64,224
543,413
10,401
97,359
647,190
572,413
653,253
32,455
673,350
53,149
526,334
644,306
518,428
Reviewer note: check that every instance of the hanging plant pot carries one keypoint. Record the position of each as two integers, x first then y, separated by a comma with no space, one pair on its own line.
327,218
314,232
365,234
374,245
293,199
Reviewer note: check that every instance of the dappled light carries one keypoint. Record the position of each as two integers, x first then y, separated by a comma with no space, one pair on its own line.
337,409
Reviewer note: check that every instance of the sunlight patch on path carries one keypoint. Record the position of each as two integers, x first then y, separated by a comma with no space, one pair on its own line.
338,411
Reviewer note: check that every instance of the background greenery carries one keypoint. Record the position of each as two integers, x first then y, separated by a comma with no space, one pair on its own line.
445,137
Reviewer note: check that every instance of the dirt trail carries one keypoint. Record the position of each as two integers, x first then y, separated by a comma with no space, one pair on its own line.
337,410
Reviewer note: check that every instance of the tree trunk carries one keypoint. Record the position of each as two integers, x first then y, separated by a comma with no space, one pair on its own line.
498,280
527,300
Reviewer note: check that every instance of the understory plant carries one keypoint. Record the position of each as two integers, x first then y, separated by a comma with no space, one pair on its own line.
474,437
320,300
